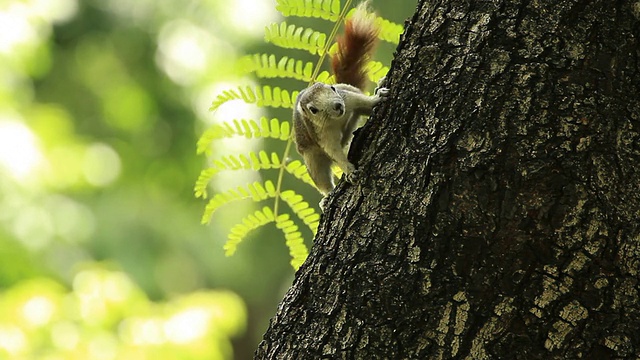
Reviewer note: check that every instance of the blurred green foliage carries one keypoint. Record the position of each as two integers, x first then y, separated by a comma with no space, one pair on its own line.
106,316
102,251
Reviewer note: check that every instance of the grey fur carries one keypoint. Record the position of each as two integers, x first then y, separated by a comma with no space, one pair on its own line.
324,118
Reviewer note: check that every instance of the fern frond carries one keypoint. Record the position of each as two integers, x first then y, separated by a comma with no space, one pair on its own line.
265,96
295,37
376,71
253,161
250,222
256,191
200,189
295,242
248,128
301,208
267,66
325,9
389,31
299,170
326,77
293,238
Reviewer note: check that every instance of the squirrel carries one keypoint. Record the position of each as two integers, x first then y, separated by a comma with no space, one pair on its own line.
325,116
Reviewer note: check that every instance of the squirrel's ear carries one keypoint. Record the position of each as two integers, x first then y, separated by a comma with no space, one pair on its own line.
300,109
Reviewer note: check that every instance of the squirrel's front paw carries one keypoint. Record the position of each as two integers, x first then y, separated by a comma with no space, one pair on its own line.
323,203
351,176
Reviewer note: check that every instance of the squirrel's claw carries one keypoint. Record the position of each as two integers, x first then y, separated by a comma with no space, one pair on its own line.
351,176
382,92
323,203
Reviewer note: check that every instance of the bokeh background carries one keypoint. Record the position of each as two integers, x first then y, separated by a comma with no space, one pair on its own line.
102,254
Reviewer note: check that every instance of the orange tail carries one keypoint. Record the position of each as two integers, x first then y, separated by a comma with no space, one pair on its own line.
355,48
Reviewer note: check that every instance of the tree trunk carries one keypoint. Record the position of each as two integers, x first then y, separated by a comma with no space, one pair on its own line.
498,214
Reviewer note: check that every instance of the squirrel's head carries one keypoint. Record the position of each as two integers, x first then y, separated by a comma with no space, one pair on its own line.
321,101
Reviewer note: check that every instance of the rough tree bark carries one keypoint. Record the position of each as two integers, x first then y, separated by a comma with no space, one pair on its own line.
498,215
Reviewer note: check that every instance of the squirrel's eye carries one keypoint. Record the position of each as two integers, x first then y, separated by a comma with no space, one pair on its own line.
333,88
313,109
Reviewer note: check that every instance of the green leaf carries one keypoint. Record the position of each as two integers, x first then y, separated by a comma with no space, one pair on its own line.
249,128
292,37
302,209
256,191
266,96
325,9
389,31
376,71
299,170
294,241
202,183
250,222
268,66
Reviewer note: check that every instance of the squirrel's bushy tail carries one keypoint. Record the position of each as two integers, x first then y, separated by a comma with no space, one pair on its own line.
355,48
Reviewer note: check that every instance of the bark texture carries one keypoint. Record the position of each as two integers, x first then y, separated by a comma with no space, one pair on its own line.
498,215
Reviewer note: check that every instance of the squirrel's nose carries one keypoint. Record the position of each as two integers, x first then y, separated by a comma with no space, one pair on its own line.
339,107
